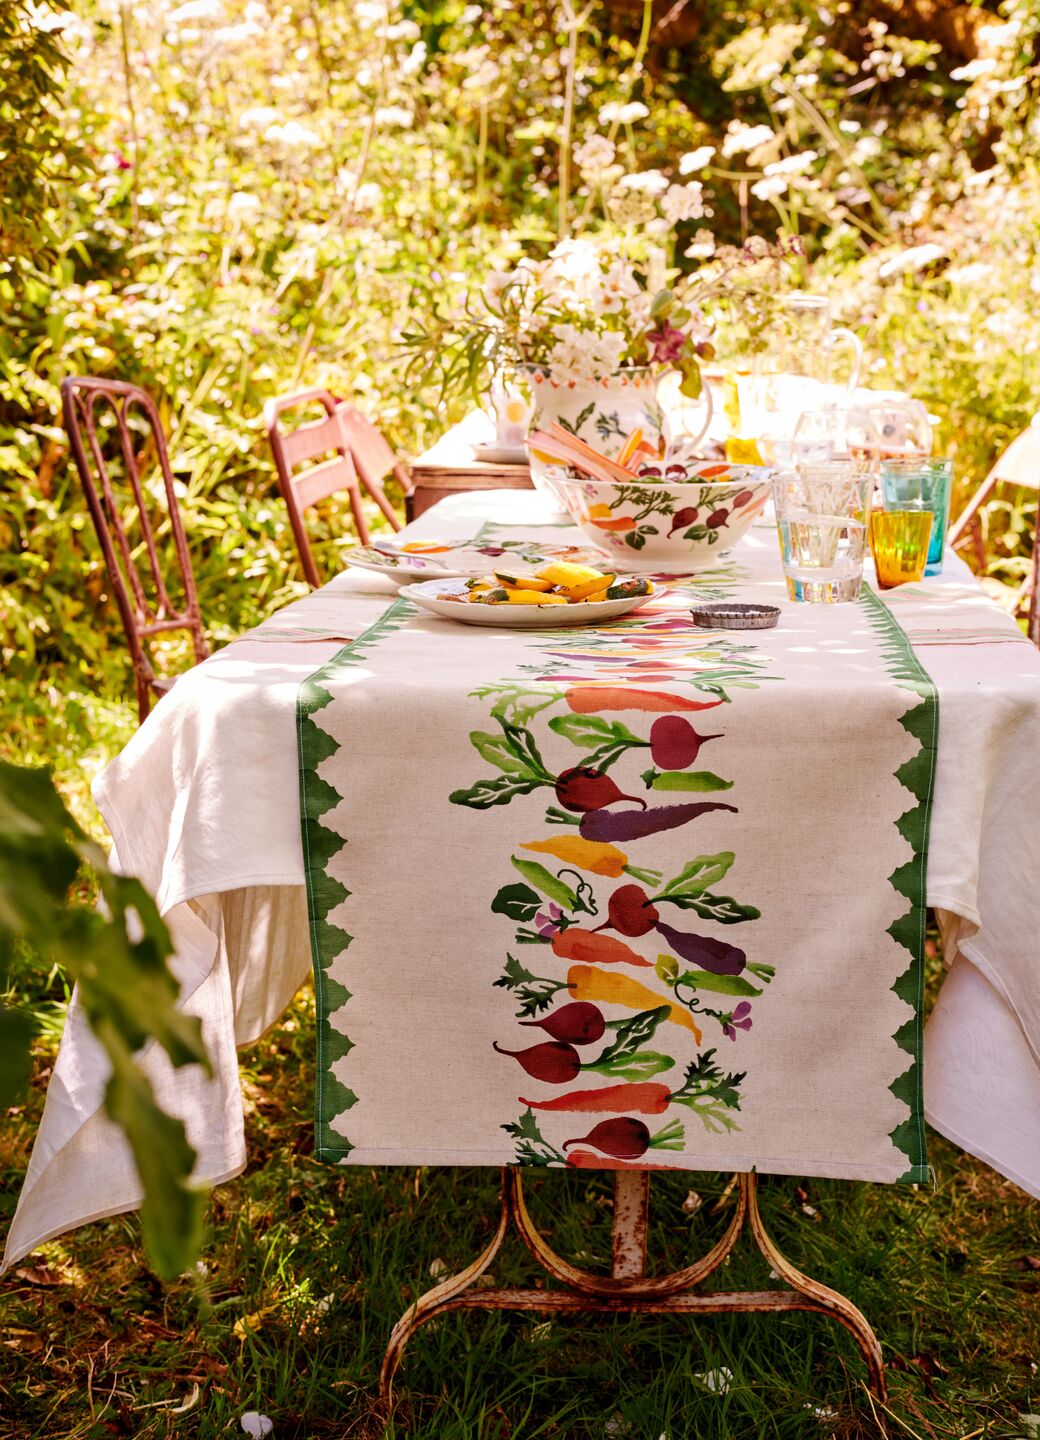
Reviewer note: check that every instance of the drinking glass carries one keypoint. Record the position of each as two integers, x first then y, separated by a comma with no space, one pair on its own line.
821,517
903,426
836,432
921,484
899,540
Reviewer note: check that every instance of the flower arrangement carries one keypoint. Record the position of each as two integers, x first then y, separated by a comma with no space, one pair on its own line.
624,295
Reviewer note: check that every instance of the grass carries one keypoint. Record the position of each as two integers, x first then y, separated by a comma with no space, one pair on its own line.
307,1267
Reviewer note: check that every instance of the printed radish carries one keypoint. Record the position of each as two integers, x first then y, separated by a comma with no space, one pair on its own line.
742,498
621,825
717,518
553,1062
577,1023
623,1138
674,743
704,952
582,789
631,912
682,518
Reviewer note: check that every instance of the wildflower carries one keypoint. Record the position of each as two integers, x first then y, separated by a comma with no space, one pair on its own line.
741,138
403,30
684,202
396,116
696,160
645,182
584,356
293,136
368,196
975,69
259,117
617,114
703,246
197,10
739,1019
668,343
792,164
769,188
496,285
243,207
618,288
595,154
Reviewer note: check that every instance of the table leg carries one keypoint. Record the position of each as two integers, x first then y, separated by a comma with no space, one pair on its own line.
628,1289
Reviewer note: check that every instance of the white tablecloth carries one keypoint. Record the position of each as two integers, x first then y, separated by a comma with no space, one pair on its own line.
203,807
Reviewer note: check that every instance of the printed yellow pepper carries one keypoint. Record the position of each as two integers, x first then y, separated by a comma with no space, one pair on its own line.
596,856
587,983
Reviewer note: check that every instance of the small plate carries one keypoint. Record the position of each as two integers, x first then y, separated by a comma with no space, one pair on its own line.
500,454
430,594
425,559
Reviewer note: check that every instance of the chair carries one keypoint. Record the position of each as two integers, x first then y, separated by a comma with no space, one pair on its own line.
1018,465
359,455
84,402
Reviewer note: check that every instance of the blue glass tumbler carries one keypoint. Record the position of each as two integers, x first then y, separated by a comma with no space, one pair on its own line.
921,484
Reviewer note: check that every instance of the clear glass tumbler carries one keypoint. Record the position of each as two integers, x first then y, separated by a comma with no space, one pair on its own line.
921,484
821,517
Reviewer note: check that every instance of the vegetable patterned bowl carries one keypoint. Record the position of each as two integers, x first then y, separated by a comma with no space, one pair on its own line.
665,527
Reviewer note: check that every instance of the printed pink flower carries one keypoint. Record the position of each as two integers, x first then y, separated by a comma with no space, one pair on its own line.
740,1019
547,921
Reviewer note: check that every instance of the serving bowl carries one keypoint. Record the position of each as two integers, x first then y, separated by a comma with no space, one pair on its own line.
661,526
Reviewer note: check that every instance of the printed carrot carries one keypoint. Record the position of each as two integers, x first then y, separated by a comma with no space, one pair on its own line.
643,1097
589,1160
591,855
574,943
624,523
587,983
589,700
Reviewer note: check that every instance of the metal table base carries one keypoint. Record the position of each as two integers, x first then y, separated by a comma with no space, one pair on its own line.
628,1289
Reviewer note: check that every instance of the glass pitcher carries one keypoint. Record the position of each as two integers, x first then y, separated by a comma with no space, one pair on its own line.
806,341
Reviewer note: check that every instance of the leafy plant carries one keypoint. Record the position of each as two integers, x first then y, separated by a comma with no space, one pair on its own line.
117,955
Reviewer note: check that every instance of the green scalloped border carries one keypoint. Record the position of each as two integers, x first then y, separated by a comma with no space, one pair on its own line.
917,776
320,845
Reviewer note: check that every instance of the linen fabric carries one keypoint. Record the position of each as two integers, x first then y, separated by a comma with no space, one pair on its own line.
204,806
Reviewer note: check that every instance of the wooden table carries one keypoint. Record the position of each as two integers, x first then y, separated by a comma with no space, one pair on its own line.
450,466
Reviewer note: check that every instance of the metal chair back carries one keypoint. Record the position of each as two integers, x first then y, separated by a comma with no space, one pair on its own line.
113,459
333,436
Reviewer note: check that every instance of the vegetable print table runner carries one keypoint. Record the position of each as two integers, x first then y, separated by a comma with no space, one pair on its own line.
643,895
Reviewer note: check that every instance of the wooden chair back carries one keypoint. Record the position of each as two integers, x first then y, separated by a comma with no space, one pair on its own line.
356,455
116,436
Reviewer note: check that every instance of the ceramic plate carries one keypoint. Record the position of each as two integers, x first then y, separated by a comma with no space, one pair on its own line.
425,559
430,594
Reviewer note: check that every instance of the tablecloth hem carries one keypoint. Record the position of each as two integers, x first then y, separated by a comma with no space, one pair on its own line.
768,1165
971,1147
123,1208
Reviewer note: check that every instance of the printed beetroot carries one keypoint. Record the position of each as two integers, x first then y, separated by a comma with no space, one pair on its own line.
623,1138
577,1023
674,743
553,1062
582,788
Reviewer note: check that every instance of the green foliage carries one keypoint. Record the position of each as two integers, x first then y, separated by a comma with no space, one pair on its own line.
118,957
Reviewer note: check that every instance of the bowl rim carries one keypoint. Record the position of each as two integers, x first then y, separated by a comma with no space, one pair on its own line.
765,475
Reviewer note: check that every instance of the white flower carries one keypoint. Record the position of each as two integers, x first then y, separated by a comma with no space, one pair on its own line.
645,182
496,285
196,10
369,12
741,138
47,21
368,196
243,207
768,189
584,356
695,160
619,287
595,154
867,147
918,257
792,164
415,59
257,1426
703,246
998,37
259,117
293,136
574,271
849,127
403,30
394,116
684,202
969,274
617,114
975,69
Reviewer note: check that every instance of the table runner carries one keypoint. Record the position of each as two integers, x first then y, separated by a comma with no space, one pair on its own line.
632,895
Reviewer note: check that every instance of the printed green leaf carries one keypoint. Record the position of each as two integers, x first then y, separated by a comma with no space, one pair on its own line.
723,909
587,731
547,883
486,793
698,875
500,750
519,902
642,1066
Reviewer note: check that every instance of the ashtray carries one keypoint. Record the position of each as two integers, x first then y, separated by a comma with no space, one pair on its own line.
735,617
